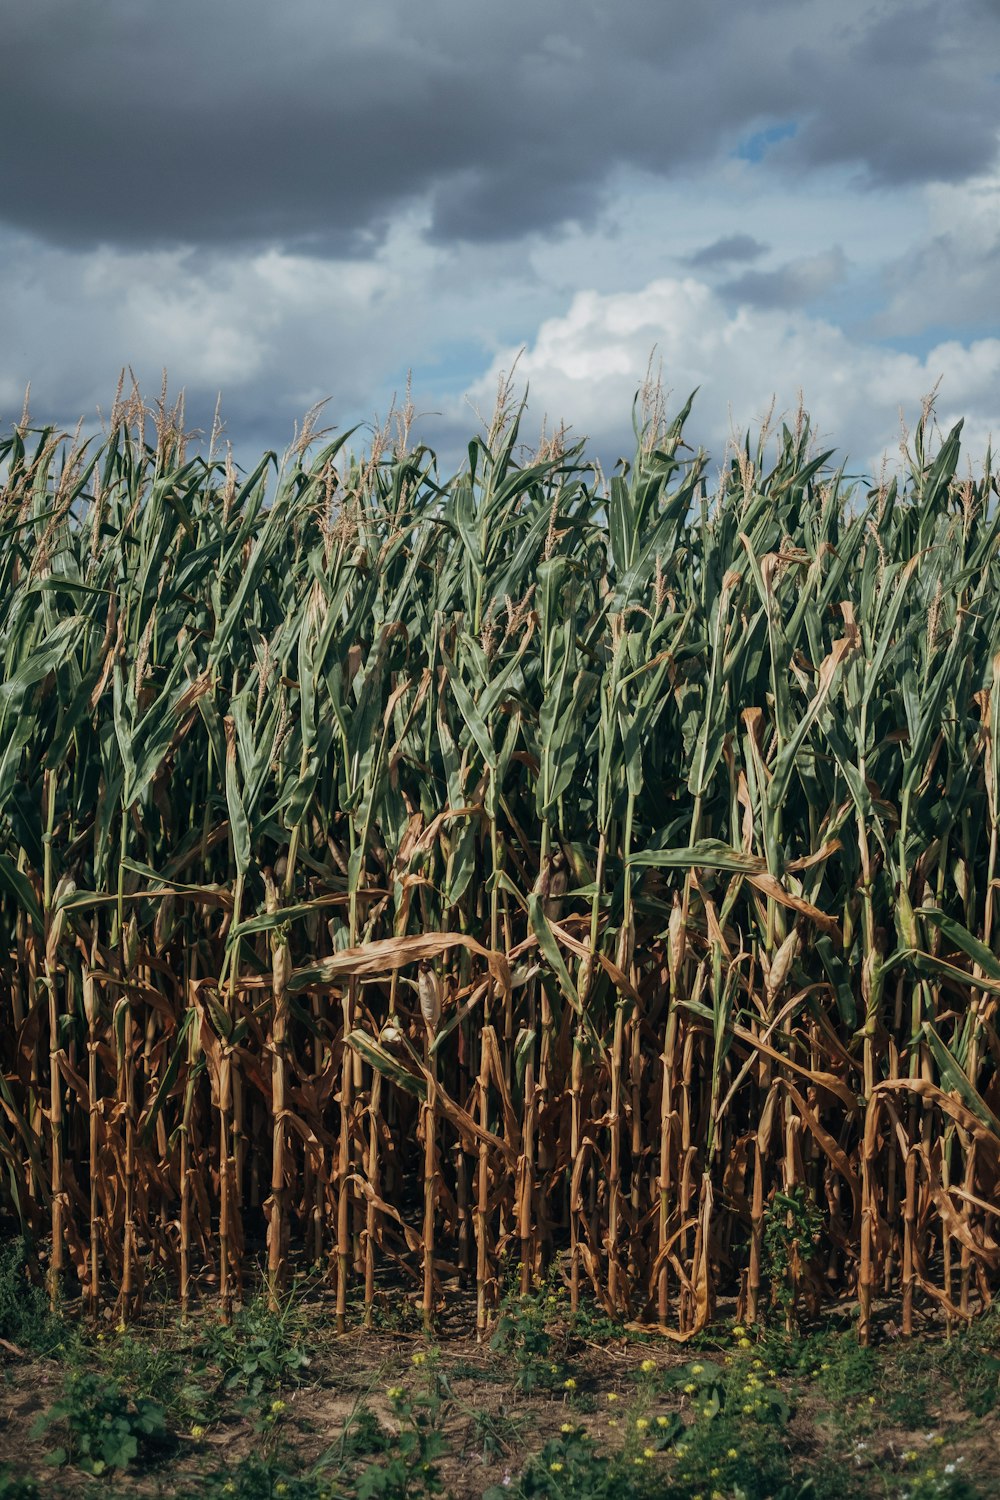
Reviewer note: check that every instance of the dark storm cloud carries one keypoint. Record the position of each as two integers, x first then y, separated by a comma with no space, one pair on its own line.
311,123
732,247
915,96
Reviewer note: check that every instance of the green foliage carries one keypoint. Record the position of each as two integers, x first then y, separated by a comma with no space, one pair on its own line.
25,1319
150,1364
530,1330
412,1466
260,1350
258,1477
494,1433
575,1467
970,1362
16,1487
845,1371
734,1434
363,1435
102,1428
792,1227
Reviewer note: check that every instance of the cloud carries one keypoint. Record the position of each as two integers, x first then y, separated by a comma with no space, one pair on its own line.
731,247
276,331
951,275
586,365
273,331
145,125
799,281
884,100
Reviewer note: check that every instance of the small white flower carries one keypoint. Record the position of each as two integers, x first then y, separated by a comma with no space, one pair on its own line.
949,1468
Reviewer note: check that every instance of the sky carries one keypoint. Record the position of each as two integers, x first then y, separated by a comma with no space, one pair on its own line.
289,203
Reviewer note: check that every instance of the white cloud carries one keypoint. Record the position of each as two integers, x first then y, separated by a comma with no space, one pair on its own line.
586,365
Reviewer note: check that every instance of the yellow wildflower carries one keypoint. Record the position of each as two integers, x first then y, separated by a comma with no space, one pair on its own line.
556,1467
570,1384
641,1423
648,1366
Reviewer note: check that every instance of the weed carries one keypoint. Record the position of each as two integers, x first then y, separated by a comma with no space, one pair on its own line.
363,1435
103,1428
147,1366
566,1466
411,1468
260,1478
733,1440
524,1330
844,1370
792,1226
259,1350
572,1467
971,1362
493,1434
25,1318
16,1487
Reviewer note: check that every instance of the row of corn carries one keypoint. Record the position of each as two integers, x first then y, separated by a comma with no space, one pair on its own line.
430,879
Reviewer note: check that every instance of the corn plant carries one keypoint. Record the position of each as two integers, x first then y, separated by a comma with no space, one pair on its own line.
413,875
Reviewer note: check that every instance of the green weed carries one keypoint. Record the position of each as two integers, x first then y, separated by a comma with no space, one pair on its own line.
25,1319
101,1427
260,1350
16,1487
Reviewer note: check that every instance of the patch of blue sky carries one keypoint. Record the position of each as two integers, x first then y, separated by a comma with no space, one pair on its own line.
755,147
449,368
921,343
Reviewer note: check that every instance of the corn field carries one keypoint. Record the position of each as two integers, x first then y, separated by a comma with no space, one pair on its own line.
432,880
